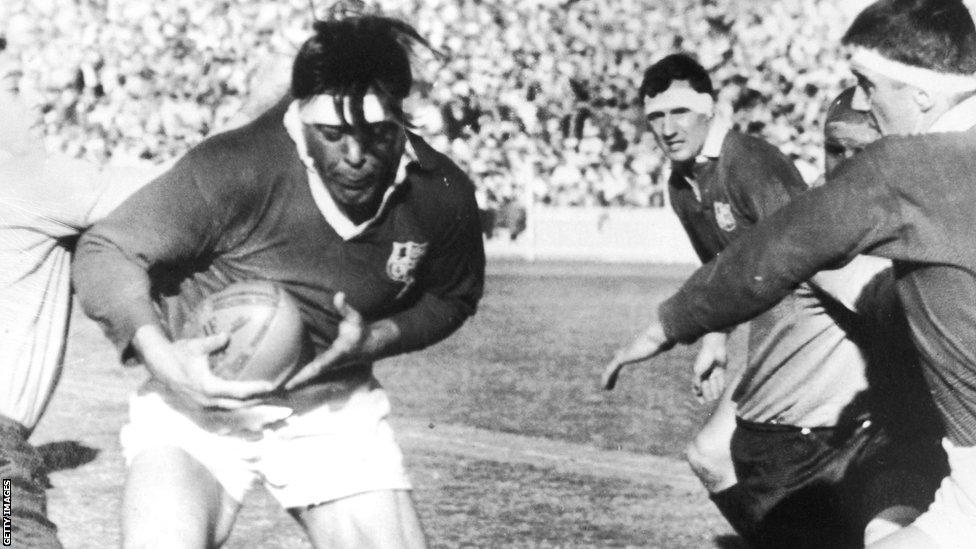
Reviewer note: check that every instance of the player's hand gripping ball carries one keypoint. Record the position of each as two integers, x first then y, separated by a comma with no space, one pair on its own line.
268,340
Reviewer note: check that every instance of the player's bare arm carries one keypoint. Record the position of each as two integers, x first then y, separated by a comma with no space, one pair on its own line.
648,344
184,367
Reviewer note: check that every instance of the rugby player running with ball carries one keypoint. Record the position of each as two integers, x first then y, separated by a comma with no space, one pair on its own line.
376,236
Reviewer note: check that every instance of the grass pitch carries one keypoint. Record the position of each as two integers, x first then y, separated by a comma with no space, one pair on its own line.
530,361
509,439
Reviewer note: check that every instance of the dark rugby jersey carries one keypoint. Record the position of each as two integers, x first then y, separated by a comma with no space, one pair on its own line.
738,184
804,367
239,206
908,198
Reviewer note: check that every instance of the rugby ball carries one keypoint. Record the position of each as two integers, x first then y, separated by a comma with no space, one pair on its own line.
268,340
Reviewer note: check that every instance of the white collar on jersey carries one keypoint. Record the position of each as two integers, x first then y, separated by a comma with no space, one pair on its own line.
717,130
333,215
959,118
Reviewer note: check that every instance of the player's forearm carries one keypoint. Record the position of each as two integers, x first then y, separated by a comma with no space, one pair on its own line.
382,339
116,184
429,321
169,221
765,265
150,344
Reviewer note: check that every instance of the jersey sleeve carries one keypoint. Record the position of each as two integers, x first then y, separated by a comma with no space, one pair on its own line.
452,280
854,213
113,185
169,221
765,180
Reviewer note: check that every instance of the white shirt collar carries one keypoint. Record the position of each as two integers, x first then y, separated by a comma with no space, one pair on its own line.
717,130
957,119
333,215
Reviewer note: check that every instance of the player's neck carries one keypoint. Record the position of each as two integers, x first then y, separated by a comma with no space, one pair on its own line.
686,167
361,213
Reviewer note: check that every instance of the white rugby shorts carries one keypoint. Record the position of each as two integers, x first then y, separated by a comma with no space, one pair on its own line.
332,451
951,519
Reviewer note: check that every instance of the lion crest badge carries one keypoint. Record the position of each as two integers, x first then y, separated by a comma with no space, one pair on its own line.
724,217
403,263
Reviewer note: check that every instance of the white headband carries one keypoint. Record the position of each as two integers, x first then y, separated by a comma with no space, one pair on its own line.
925,79
679,97
321,109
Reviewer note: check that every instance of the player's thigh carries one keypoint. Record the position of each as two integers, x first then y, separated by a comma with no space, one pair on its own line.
376,519
893,481
889,521
950,521
893,497
906,538
173,501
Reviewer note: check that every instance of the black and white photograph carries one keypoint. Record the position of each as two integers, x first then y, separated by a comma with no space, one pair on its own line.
411,274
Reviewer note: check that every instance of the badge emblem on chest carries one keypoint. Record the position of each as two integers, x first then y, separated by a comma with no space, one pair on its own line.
403,263
724,217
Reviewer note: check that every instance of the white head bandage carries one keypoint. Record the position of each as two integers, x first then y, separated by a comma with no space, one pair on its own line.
677,97
925,79
321,109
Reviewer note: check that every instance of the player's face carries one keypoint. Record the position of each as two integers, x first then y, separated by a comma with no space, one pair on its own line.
356,164
892,103
680,132
843,140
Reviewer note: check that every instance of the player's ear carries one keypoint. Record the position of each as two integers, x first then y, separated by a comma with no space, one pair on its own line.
860,101
923,99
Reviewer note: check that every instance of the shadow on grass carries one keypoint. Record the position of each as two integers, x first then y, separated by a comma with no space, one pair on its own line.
66,454
730,542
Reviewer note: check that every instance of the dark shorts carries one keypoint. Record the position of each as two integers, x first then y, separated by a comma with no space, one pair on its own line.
23,468
820,487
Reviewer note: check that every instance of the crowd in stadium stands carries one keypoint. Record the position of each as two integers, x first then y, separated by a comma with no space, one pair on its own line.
536,98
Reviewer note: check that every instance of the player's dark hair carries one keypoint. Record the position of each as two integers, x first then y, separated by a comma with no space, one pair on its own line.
679,66
932,34
347,57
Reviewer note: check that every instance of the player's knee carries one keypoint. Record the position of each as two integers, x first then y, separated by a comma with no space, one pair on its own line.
702,453
711,462
149,533
172,500
371,520
352,533
163,534
152,539
140,542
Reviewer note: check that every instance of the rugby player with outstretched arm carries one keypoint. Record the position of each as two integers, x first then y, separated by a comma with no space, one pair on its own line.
909,197
372,231
803,408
